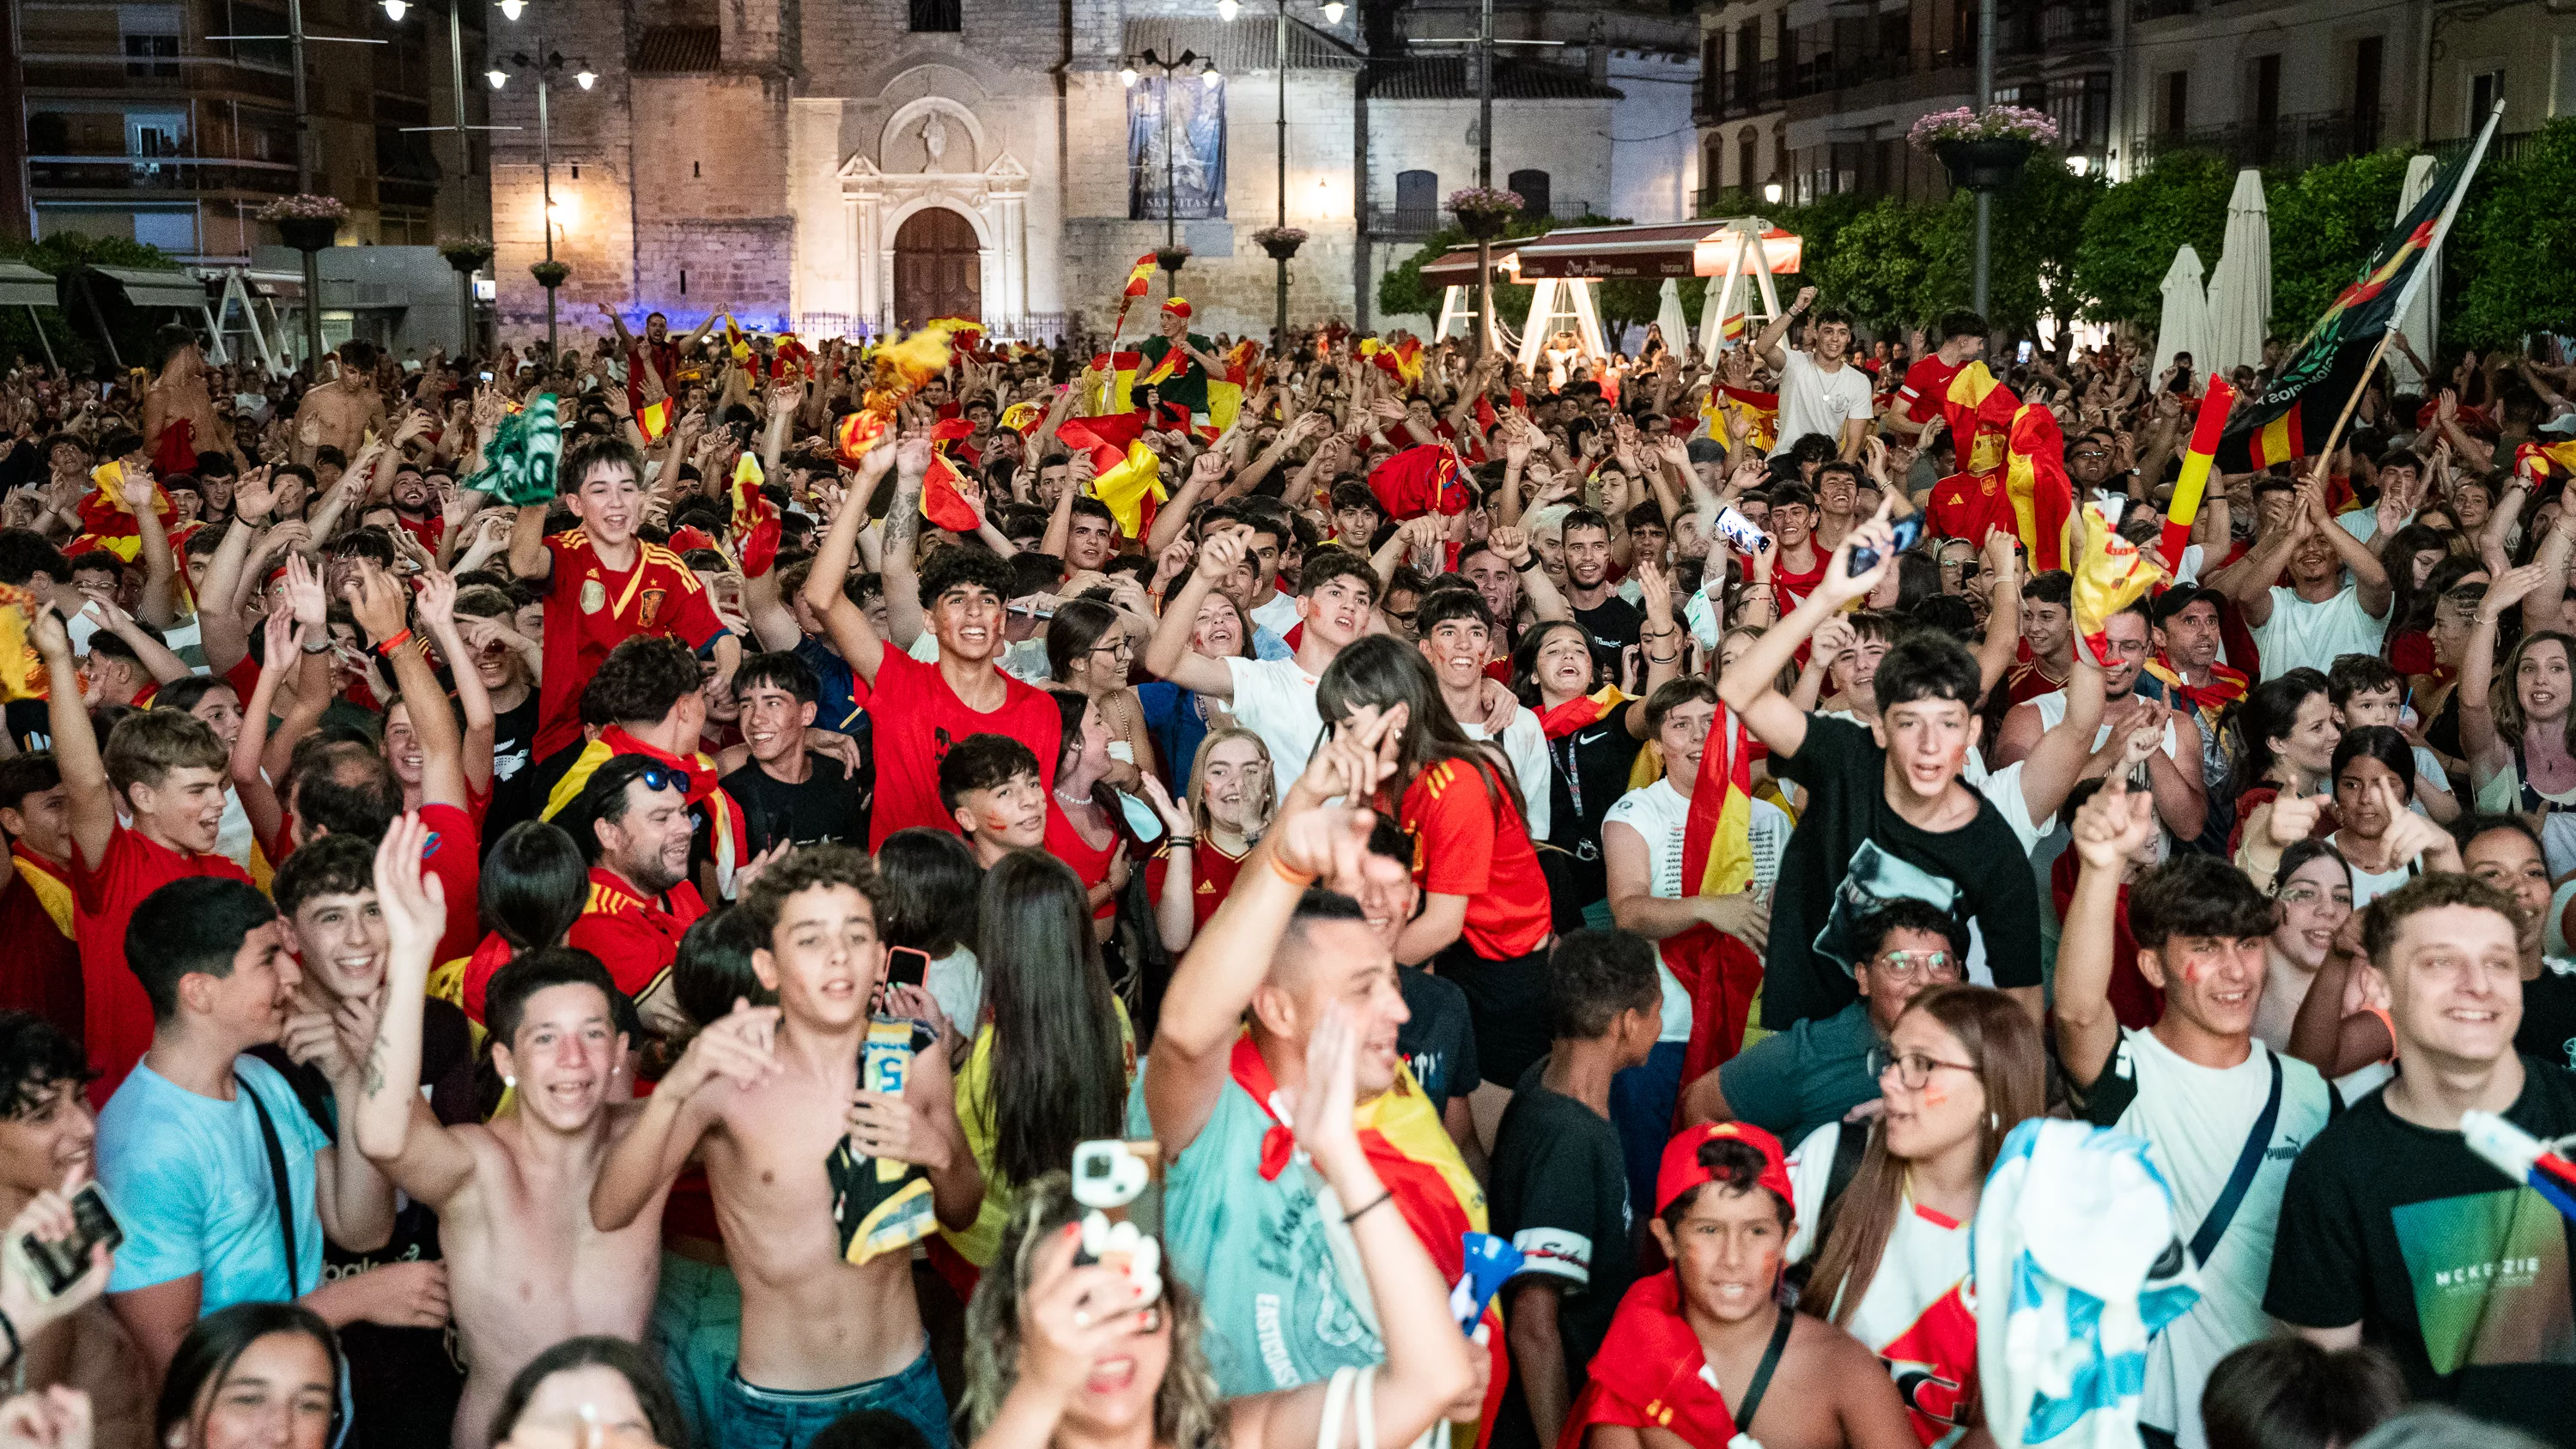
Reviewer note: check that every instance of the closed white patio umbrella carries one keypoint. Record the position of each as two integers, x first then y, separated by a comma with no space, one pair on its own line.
2240,291
2184,324
1670,320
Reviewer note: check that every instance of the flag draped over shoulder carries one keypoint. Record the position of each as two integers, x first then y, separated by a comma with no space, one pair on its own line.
1721,973
519,463
2292,417
2012,470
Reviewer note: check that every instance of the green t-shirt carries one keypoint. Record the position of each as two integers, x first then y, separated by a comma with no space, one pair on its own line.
1792,1082
1188,386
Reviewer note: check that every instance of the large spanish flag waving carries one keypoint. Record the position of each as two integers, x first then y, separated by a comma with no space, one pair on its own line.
2013,458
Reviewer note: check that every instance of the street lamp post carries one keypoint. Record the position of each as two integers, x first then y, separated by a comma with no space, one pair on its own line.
1207,74
546,64
1333,9
295,38
1484,45
1985,194
395,10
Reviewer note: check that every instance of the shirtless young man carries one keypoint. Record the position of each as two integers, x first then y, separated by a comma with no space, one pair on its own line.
766,1104
340,413
526,1270
179,395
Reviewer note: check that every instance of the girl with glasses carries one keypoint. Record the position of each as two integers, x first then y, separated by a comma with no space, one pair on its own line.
2314,888
1962,1068
1088,650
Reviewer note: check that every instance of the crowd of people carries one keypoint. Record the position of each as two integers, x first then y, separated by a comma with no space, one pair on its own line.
628,895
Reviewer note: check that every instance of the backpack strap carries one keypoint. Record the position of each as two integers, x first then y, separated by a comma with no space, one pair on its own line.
278,1182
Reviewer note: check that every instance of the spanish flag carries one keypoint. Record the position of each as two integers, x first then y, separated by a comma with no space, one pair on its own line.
755,520
2545,458
943,498
1133,489
1722,974
1165,368
1119,372
1399,360
22,671
1581,712
2043,497
1022,417
2110,572
654,419
1141,279
1759,410
106,520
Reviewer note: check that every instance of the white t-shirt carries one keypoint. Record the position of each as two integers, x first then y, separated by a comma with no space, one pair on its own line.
1914,1315
2195,1120
1660,814
1275,699
1279,614
1525,745
2370,885
1813,400
2301,633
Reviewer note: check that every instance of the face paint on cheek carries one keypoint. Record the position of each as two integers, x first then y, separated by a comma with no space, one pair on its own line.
2197,970
1934,1097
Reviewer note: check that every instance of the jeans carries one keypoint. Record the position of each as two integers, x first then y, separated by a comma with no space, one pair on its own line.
697,1324
1641,1106
751,1417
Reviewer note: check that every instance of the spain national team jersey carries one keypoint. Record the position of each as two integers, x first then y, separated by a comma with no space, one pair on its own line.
591,609
1926,387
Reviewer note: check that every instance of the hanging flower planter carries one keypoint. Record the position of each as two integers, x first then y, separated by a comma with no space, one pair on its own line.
306,222
1281,242
1983,150
465,254
1483,212
549,275
1172,258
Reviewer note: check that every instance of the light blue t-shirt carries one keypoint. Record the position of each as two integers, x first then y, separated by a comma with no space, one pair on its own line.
190,1179
1278,1305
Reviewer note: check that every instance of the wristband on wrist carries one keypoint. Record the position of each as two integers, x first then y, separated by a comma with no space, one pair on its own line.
1298,878
390,645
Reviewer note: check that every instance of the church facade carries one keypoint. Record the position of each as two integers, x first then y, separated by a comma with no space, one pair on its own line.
842,167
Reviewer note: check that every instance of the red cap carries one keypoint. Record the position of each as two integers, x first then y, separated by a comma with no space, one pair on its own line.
1177,306
1682,1171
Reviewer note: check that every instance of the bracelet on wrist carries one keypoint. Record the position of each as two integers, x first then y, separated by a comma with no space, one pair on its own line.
399,639
1298,878
1347,1219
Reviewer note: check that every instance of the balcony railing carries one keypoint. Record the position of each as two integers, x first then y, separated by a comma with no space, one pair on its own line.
1744,91
2290,143
159,173
2158,9
1828,71
1404,223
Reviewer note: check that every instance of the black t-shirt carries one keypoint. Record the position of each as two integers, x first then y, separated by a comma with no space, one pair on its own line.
2548,1029
1439,1042
514,777
2457,1271
1611,627
1589,774
404,1383
824,807
1851,849
1559,1193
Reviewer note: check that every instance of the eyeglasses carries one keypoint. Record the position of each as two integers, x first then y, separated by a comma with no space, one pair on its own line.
1918,965
1120,650
1913,1069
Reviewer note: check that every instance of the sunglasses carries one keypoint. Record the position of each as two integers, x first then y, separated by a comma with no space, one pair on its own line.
662,777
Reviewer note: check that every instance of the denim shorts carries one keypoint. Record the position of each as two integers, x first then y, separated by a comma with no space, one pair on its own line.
697,1324
751,1417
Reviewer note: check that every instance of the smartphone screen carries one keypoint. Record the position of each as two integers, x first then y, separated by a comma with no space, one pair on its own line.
907,966
59,1263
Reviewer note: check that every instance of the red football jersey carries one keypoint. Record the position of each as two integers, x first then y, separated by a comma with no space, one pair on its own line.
1469,840
591,609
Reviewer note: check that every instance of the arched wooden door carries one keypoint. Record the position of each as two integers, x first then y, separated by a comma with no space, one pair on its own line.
938,268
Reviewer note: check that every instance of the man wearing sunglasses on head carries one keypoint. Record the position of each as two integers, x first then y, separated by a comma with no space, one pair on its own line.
632,821
1792,1082
2222,1114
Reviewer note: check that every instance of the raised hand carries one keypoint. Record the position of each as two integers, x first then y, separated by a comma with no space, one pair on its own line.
2294,818
736,1048
1355,758
886,1124
2114,826
376,600
412,899
304,594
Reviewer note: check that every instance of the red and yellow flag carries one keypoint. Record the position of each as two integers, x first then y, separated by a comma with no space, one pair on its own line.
1022,417
755,520
654,419
1759,410
2043,497
943,498
1722,974
1142,277
22,672
2545,458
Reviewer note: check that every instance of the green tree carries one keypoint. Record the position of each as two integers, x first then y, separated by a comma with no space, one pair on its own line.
2037,234
1874,267
2511,258
2325,221
2129,236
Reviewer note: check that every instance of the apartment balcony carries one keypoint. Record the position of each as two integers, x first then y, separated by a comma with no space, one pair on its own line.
1829,71
1416,223
162,175
2291,143
2052,29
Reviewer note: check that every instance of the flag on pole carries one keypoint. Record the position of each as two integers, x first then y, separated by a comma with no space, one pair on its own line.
1722,974
2293,417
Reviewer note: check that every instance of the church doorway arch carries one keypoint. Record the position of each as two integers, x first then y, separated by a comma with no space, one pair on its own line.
938,268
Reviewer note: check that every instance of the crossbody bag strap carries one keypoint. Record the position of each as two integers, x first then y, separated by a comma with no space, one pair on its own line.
2249,1161
1762,1373
277,1180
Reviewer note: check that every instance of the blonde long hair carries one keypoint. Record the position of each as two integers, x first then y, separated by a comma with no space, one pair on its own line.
1197,798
